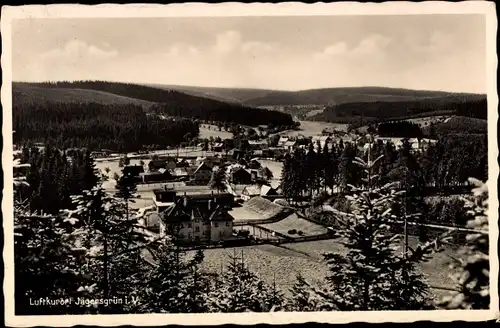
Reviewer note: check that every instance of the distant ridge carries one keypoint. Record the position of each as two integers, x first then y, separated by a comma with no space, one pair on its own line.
320,96
165,101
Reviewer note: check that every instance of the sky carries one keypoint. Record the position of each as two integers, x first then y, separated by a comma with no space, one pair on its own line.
426,52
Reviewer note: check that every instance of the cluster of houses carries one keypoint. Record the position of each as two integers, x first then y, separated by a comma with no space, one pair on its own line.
198,171
192,217
416,144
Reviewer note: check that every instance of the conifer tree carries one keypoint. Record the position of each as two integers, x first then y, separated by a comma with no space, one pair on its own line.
176,283
372,275
302,299
218,180
240,290
127,187
473,273
112,242
47,262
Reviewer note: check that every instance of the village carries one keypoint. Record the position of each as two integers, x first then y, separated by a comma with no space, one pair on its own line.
179,199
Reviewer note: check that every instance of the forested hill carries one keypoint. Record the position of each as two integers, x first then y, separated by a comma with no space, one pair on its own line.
119,127
469,107
169,102
338,96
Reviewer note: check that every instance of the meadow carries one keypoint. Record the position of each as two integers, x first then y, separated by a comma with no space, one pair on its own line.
286,261
313,128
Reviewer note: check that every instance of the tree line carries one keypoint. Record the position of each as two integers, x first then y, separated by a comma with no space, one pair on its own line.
449,162
475,107
95,126
175,103
402,129
96,252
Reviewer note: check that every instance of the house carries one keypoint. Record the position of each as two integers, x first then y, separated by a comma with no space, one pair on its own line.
218,147
163,163
254,164
234,154
182,172
133,170
162,199
210,161
162,175
250,192
322,140
290,145
282,141
239,175
182,162
257,144
199,218
266,191
201,175
258,190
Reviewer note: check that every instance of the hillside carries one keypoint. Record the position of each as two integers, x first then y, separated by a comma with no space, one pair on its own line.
25,94
470,106
235,95
169,102
336,96
458,125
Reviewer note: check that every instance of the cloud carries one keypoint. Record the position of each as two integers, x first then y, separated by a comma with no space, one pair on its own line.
370,47
375,44
227,42
76,50
257,48
336,49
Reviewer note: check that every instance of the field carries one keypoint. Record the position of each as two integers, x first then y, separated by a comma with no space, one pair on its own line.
268,261
426,121
461,124
294,222
287,261
213,132
311,128
27,94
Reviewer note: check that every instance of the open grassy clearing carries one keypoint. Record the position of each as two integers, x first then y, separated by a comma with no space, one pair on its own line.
213,132
29,94
294,222
313,128
268,261
306,258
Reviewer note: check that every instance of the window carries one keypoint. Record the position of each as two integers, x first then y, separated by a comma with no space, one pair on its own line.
189,225
216,224
197,229
227,223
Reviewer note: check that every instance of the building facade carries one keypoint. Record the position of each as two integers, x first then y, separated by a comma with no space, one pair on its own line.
199,218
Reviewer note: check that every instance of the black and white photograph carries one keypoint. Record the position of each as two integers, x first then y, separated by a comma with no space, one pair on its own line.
250,163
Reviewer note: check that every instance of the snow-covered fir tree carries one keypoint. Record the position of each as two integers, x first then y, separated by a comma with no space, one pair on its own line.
473,273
